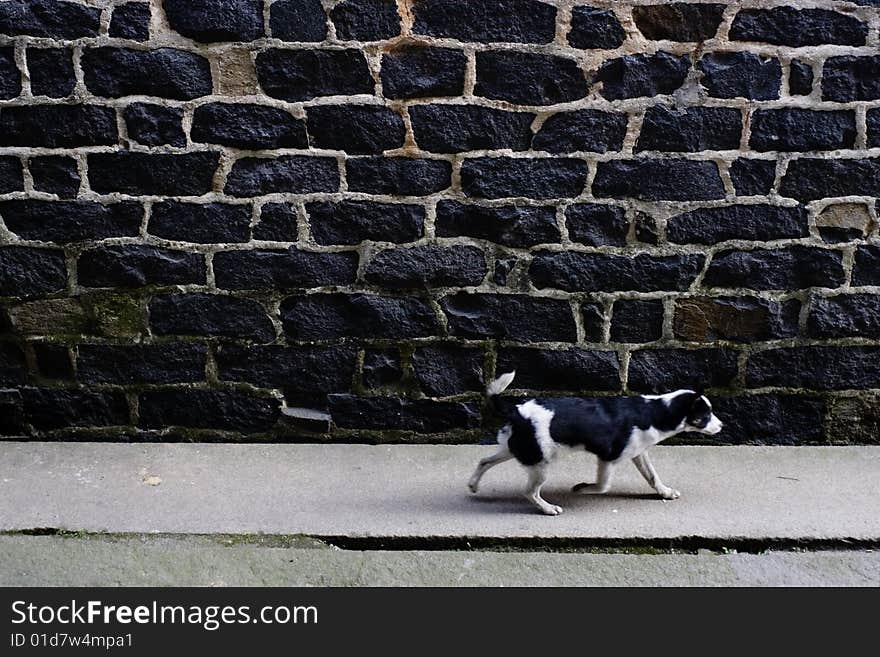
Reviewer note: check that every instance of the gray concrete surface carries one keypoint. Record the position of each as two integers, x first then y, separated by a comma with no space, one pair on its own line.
420,491
144,561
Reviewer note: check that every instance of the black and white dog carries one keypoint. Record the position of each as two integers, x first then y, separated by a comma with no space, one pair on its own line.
615,429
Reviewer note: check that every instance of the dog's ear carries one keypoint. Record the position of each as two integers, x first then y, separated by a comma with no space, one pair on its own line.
699,391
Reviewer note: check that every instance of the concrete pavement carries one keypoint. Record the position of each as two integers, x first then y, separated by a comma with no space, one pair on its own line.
236,514
197,561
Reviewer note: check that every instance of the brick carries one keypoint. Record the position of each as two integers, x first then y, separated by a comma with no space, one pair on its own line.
11,415
738,222
740,319
595,28
216,20
598,272
298,20
528,78
511,225
845,315
770,419
48,18
12,364
459,128
411,71
292,174
428,266
210,315
646,229
642,74
815,368
352,222
658,180
794,129
593,320
51,71
872,121
331,316
53,360
137,364
390,413
677,21
691,130
808,179
503,268
28,271
204,223
635,320
155,125
58,126
278,222
843,222
444,370
593,131
71,221
47,409
402,176
365,20
293,268
539,178
752,177
11,174
295,75
306,369
665,370
486,21
131,21
382,367
134,265
55,174
792,268
162,72
247,125
576,370
148,174
787,26
849,78
866,267
854,419
10,76
741,75
369,129
207,409
516,317
800,78
596,225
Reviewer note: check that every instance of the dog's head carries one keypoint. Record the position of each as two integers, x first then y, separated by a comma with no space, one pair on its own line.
700,416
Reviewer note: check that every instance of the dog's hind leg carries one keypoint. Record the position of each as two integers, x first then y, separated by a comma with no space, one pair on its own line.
604,474
644,466
537,477
503,454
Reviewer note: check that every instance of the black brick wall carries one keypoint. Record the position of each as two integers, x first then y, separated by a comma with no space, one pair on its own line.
212,218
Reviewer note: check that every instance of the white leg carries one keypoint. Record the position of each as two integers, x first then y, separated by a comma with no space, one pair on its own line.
503,454
537,477
644,466
604,474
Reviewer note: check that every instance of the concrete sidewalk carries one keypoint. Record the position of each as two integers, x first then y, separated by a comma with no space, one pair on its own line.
415,498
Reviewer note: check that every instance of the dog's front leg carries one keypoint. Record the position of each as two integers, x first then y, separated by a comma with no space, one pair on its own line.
604,474
644,466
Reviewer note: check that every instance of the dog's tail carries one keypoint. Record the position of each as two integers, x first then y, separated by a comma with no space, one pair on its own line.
495,388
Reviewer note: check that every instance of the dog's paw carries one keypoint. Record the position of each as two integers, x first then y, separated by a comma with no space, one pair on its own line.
668,493
551,510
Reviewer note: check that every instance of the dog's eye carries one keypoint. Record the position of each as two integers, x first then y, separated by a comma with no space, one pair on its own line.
700,422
